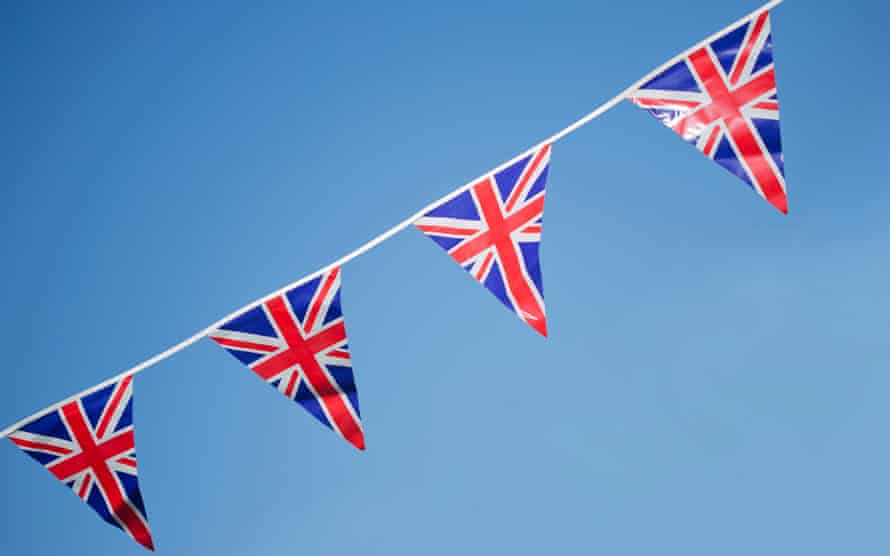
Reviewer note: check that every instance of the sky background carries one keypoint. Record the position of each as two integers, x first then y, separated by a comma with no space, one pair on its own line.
716,380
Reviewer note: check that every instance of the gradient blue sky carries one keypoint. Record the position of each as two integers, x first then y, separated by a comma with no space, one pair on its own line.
716,381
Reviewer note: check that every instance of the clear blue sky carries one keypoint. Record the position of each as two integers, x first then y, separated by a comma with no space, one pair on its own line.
716,380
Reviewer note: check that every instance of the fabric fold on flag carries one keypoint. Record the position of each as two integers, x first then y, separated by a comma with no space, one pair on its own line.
89,445
493,230
296,342
722,98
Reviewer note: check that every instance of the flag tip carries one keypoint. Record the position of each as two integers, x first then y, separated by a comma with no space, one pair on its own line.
539,326
781,203
358,442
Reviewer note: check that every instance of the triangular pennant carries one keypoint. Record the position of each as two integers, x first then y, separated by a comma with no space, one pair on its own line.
721,97
493,230
296,341
88,444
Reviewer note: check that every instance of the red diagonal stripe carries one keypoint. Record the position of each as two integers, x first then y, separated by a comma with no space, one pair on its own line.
664,103
127,461
742,60
483,268
29,445
280,313
712,141
111,407
240,344
530,170
290,388
445,230
85,486
319,300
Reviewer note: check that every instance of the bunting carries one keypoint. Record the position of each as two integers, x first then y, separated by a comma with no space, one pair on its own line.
88,444
722,98
493,230
297,343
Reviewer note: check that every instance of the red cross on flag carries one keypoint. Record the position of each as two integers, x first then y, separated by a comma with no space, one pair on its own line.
493,230
88,444
721,97
296,342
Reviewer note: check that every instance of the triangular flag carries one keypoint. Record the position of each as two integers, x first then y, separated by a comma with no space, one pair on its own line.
88,444
493,230
296,341
721,97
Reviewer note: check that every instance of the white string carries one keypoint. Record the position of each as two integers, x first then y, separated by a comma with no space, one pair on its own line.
398,227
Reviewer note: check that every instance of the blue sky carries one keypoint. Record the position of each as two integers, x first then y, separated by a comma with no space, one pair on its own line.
716,376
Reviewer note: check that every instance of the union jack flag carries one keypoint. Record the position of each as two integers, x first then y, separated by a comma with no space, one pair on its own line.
88,444
722,99
493,230
296,342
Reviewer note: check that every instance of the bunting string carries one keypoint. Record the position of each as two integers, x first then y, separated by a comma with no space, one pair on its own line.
719,95
626,94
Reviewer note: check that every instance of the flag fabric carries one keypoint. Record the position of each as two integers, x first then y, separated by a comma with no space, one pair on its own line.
493,230
722,98
88,444
297,342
